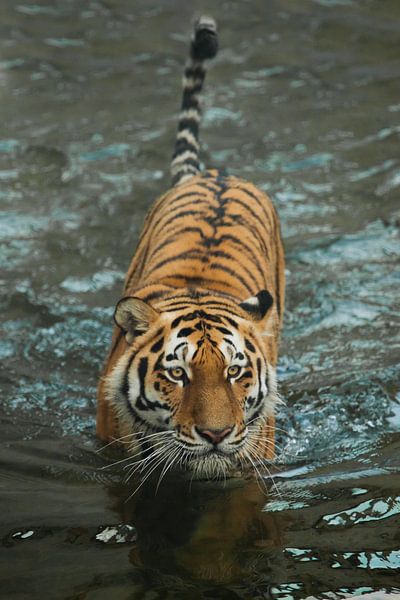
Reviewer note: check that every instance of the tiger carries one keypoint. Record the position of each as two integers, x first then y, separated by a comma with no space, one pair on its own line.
190,381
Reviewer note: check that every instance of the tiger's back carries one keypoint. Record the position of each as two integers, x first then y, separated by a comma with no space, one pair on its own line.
210,257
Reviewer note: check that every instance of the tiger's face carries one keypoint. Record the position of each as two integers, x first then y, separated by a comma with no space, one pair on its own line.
197,384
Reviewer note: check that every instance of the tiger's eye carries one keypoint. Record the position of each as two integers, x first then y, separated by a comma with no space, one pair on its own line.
234,370
176,372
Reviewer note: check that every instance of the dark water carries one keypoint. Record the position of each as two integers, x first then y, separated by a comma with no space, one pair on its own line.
304,100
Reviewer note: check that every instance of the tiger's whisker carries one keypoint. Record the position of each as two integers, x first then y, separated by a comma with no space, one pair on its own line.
113,464
168,465
143,464
114,441
146,477
259,478
264,464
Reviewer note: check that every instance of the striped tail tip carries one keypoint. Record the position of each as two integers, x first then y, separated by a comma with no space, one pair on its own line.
205,40
204,45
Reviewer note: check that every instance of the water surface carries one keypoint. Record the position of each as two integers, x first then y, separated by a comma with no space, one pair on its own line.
304,101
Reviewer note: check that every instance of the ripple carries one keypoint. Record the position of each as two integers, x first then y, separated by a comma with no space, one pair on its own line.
102,280
375,243
389,559
65,42
110,151
370,510
84,148
117,534
391,183
9,146
78,339
316,160
217,115
15,225
372,171
36,9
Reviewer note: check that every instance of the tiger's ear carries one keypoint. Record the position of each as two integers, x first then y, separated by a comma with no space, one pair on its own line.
258,306
134,316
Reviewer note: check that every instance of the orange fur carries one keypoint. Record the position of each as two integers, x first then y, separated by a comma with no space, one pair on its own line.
194,352
189,208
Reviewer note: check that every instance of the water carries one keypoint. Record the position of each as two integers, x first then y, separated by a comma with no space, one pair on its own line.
304,101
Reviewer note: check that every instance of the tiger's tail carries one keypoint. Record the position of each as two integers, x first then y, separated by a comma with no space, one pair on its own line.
204,45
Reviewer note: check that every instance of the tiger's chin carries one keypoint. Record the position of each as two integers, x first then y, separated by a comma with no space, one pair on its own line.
213,466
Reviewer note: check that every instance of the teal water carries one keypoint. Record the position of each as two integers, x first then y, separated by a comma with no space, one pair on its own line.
304,101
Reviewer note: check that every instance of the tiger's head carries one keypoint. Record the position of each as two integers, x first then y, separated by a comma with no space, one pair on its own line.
197,382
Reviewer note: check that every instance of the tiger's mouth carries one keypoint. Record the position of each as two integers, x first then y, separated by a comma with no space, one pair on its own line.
227,451
212,465
214,462
163,452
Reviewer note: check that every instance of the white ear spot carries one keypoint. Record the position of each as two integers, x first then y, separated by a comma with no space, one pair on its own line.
258,306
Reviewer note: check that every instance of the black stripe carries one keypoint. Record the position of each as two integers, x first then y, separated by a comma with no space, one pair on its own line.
267,381
166,242
197,281
198,314
260,236
190,101
232,322
183,145
178,300
125,382
187,317
177,348
231,258
179,232
223,330
187,255
249,345
156,347
220,306
248,208
205,184
221,267
185,331
142,372
183,213
142,402
192,162
197,72
187,195
247,224
240,243
259,202
250,401
212,318
260,394
179,306
159,364
154,295
246,374
191,125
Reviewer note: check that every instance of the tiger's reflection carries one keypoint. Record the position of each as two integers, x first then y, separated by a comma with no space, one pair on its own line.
203,530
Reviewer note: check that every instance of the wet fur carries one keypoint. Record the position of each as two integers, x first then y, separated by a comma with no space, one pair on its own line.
204,288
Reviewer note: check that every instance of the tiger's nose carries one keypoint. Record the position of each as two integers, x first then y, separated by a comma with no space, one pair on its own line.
214,436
